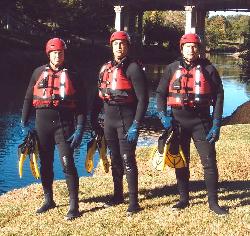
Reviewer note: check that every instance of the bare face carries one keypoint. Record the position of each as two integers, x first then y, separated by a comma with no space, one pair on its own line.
56,58
120,49
190,52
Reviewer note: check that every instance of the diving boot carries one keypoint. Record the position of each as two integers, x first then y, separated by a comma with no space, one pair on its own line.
133,209
72,182
211,180
181,205
47,205
72,214
73,210
213,205
134,206
116,200
183,188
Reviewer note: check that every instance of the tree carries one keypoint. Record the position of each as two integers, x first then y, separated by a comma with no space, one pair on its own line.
163,27
216,29
240,25
77,16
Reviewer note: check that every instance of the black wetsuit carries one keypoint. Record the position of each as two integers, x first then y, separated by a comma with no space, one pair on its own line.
117,121
54,125
195,123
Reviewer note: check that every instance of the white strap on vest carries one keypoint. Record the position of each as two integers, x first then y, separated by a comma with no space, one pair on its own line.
178,72
62,83
197,82
178,76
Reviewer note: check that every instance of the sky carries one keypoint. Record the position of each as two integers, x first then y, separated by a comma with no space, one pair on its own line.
227,13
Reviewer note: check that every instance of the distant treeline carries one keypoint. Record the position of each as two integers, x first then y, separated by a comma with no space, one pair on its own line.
94,19
165,27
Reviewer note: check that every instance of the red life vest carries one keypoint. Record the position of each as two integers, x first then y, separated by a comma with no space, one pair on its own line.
189,88
53,89
114,86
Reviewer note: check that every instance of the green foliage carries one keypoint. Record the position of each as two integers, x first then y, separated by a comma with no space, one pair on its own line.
163,28
77,16
216,29
229,29
240,25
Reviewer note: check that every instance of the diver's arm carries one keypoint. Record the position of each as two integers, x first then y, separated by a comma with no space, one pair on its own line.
27,104
81,109
162,91
95,111
139,81
218,93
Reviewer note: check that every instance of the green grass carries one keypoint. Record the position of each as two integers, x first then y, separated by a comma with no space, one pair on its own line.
157,194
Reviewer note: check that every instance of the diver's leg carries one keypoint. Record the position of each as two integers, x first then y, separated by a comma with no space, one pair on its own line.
68,164
207,154
116,164
46,155
183,174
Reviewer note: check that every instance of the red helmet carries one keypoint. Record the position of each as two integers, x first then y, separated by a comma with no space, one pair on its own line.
54,45
120,35
190,38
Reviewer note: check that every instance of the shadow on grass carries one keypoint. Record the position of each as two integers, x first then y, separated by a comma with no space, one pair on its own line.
231,191
228,190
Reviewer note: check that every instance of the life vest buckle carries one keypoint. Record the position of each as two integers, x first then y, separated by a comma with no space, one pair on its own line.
43,83
176,84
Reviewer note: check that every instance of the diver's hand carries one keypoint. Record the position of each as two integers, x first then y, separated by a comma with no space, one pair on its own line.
214,132
165,120
98,130
133,132
76,137
25,129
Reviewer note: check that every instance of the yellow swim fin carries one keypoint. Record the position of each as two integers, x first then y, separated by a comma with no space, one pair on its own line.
23,150
166,148
22,158
91,149
34,165
173,154
157,159
29,147
169,151
102,149
175,161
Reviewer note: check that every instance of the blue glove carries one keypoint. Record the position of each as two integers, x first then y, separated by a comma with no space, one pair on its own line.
25,129
76,137
133,132
214,132
165,120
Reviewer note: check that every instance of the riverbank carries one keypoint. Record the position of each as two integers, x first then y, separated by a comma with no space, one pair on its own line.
157,192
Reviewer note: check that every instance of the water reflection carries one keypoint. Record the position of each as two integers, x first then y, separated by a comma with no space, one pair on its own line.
10,138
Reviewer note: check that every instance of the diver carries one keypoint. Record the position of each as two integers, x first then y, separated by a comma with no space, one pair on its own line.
190,86
53,91
122,91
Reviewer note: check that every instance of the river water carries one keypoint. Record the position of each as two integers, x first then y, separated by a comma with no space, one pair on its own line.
236,93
